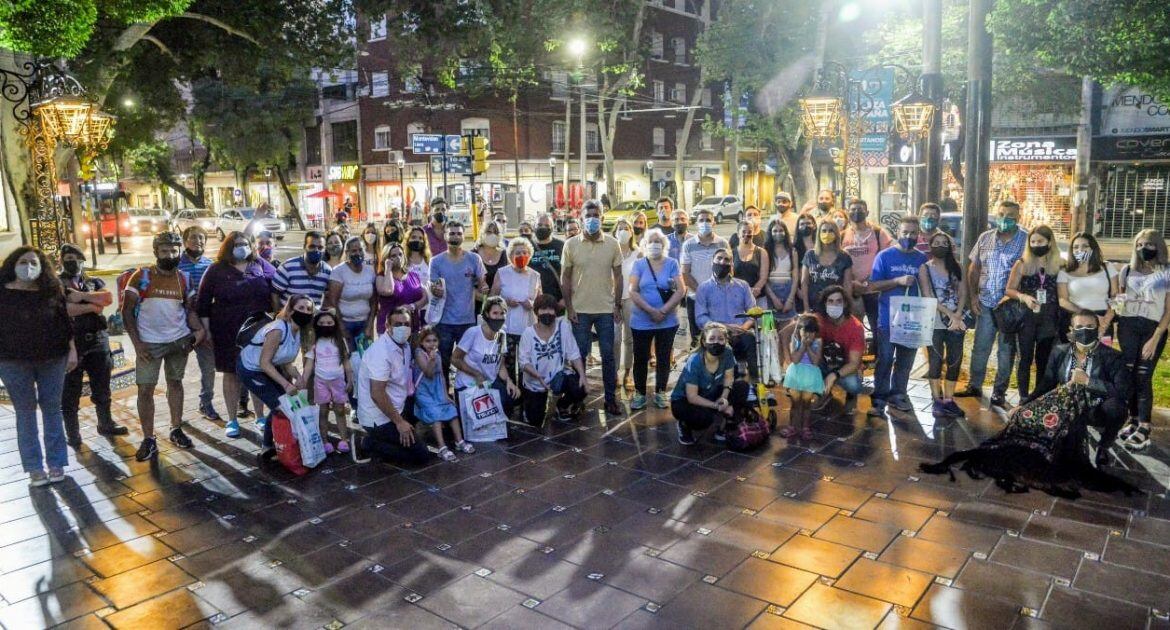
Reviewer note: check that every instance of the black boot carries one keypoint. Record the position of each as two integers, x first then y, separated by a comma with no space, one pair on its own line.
106,425
72,430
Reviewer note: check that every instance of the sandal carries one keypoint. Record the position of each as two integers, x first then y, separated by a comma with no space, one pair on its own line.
465,446
447,456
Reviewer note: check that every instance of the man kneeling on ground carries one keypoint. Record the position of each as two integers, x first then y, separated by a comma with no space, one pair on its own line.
844,343
385,396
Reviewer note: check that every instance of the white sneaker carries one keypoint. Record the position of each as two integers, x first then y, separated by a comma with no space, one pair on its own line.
37,479
1139,440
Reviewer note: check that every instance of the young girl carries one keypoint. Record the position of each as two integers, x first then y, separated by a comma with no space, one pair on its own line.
328,362
803,376
432,406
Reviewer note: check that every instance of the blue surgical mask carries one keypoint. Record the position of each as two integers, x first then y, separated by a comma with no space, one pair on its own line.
929,224
704,228
313,256
241,252
593,225
1007,224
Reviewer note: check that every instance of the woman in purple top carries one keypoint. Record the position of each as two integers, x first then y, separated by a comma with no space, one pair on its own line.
237,285
398,287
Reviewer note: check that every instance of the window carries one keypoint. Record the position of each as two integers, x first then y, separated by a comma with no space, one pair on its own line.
345,145
382,138
411,129
559,81
705,141
592,139
679,44
558,136
705,99
679,93
411,85
659,141
656,49
378,29
313,145
477,127
659,92
379,84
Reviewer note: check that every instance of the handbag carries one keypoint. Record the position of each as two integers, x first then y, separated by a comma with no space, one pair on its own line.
304,421
287,451
749,430
664,294
1009,315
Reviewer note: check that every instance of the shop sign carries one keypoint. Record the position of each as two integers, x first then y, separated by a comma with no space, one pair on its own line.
1059,149
903,153
875,89
1110,149
314,173
692,173
344,172
1131,112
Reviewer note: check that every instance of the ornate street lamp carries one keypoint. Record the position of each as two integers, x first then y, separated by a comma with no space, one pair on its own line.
820,115
913,115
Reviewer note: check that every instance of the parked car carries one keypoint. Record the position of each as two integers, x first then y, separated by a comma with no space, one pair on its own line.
722,207
108,224
148,220
244,220
185,218
626,210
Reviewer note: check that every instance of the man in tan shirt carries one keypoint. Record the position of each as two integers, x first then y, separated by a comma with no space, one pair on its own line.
591,282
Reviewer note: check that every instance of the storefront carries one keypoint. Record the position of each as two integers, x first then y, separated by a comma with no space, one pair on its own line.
1037,173
343,181
1131,162
384,192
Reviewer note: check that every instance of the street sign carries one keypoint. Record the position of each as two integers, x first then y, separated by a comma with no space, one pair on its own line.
454,143
426,143
456,165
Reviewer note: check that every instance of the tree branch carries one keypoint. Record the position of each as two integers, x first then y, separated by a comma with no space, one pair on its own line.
217,23
161,46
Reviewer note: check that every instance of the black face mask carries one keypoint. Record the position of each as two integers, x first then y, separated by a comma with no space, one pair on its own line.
168,264
715,349
543,233
494,324
72,267
1085,336
858,216
1148,253
392,237
455,241
680,228
804,232
638,230
1039,252
546,319
824,207
440,217
415,246
720,270
301,319
940,252
324,331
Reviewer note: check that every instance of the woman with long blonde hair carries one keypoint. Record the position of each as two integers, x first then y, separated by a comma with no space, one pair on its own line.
1033,281
826,265
1144,309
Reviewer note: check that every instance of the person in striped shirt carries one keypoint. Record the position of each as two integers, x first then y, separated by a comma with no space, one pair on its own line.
194,263
307,274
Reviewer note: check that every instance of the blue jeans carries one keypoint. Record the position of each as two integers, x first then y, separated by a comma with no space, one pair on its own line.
449,335
891,376
205,357
31,384
603,324
985,335
851,384
266,389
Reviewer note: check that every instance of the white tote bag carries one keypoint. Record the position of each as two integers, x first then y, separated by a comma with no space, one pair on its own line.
482,415
912,320
304,420
435,304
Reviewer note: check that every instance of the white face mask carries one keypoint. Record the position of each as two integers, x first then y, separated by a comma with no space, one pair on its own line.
241,252
654,250
491,240
28,272
623,236
704,228
400,334
835,310
370,238
1082,256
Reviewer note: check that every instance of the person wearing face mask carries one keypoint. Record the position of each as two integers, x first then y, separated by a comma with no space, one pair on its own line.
623,338
1087,282
519,285
1043,445
752,217
1033,282
1144,309
307,274
992,257
36,351
749,263
826,201
491,250
591,283
267,364
930,218
546,256
572,228
942,278
370,240
785,211
435,230
804,240
863,240
456,276
397,286
726,300
335,247
680,223
707,392
825,265
351,292
385,393
266,249
392,233
664,208
843,339
234,288
418,253
696,257
158,311
87,299
194,263
655,290
781,286
479,357
550,362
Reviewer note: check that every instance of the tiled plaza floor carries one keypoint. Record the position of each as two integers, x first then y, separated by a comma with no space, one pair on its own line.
597,524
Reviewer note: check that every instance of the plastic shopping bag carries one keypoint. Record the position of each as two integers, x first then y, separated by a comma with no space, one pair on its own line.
912,320
482,415
288,453
769,350
435,304
304,419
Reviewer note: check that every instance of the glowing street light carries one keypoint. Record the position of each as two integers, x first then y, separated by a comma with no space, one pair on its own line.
913,115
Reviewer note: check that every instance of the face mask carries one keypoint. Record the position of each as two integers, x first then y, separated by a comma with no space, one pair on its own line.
324,331
1148,253
1082,256
704,228
521,260
334,251
824,206
638,230
543,233
546,319
266,253
778,236
415,246
313,256
194,253
835,310
907,243
392,237
857,216
940,252
840,223
301,319
1007,225
240,252
167,264
491,240
828,238
715,349
370,238
623,236
1040,251
400,334
720,270
440,217
804,232
357,259
680,228
494,324
72,267
28,273
1084,337
654,250
593,225
929,224
455,241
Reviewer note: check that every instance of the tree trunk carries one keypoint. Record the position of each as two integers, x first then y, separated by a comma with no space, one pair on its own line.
804,178
294,212
683,139
607,120
733,157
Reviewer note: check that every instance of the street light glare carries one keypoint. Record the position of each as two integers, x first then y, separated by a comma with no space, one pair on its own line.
128,102
849,12
577,47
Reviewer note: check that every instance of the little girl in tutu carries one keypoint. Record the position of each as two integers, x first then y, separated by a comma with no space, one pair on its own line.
803,377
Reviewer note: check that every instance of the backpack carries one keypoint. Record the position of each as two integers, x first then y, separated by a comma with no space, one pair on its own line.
251,326
143,285
748,430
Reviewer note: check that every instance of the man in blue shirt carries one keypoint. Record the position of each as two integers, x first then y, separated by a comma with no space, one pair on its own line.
455,277
722,298
194,263
895,272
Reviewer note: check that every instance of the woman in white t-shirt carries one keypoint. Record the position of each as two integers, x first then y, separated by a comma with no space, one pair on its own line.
1143,307
623,339
519,285
478,358
1086,283
351,292
545,349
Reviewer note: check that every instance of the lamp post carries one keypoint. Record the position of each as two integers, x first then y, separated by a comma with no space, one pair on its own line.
268,186
742,181
578,47
650,174
401,164
552,178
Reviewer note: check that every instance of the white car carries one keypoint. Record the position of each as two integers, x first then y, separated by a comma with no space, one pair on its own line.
148,220
244,220
187,217
721,207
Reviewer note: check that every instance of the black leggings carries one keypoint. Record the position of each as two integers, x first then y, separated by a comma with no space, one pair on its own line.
535,403
696,418
1034,349
946,349
663,340
1133,333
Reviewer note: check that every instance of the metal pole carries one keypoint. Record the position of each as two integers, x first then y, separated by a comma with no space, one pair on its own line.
928,187
1080,221
445,192
581,140
568,127
977,125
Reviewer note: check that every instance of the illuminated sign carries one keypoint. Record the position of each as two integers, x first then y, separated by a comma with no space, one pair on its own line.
1061,149
345,171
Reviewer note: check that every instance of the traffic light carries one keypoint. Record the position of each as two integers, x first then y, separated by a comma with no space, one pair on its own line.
479,154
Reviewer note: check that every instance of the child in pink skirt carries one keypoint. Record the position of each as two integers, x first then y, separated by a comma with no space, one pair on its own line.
328,362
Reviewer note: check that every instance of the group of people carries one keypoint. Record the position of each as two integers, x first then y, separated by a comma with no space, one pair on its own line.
377,322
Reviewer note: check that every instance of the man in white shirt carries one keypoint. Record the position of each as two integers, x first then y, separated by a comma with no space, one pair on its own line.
386,395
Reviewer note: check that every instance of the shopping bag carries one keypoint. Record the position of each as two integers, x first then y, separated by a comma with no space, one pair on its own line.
288,452
435,305
769,350
482,415
912,320
304,419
